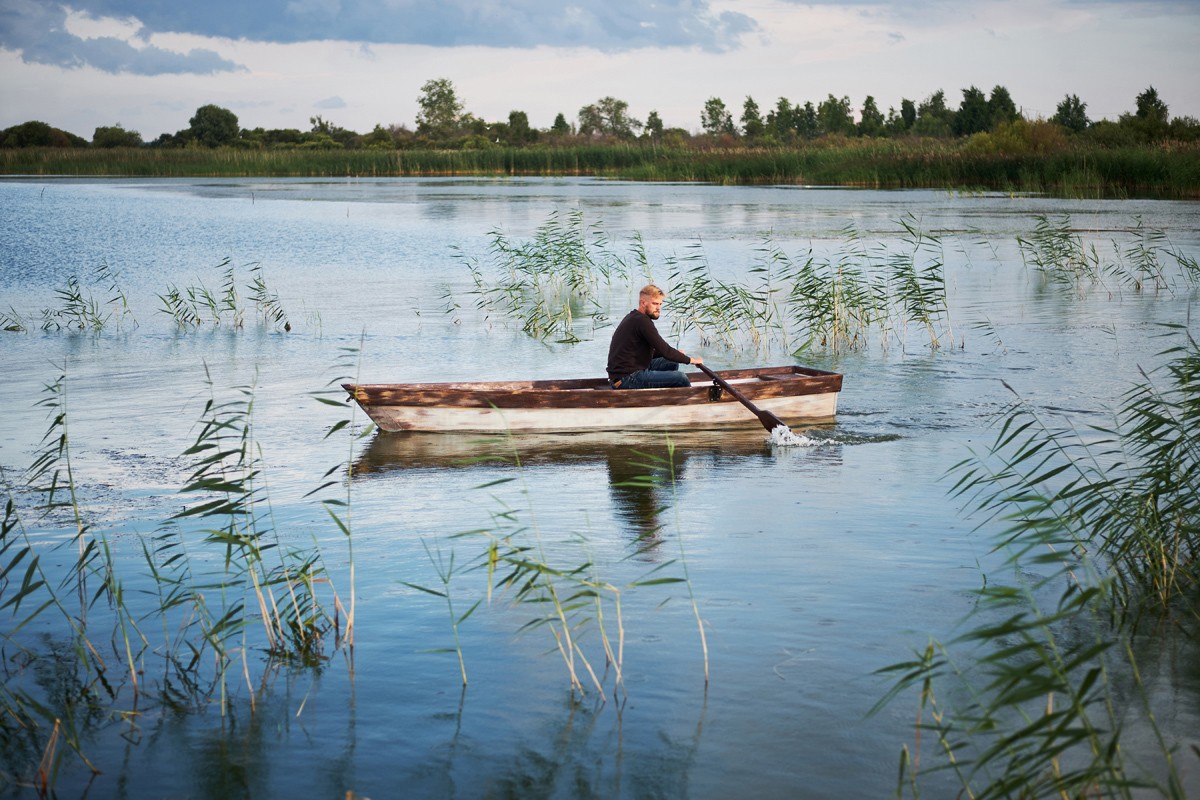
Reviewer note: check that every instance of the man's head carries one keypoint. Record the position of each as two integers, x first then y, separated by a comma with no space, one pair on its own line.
650,301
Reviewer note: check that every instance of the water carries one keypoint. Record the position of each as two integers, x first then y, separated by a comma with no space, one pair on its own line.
812,567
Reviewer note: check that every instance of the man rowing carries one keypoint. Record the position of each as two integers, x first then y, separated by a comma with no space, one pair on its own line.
638,358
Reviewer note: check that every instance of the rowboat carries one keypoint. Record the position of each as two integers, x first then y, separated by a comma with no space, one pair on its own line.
794,394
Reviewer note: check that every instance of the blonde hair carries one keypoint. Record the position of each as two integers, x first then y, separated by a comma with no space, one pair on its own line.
651,291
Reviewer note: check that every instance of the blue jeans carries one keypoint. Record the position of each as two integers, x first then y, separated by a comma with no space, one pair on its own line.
661,375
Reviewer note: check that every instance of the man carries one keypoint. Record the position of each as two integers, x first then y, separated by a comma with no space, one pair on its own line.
638,358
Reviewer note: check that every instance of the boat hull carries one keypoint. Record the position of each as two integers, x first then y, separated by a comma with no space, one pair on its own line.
794,394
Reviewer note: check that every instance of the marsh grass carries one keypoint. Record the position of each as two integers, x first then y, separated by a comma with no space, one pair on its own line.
226,585
800,303
566,594
1146,262
78,309
1109,525
1068,169
553,284
195,306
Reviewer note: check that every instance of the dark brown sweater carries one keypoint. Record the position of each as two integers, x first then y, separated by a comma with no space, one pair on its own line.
634,343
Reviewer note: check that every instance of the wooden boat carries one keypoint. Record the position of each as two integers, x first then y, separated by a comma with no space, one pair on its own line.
794,394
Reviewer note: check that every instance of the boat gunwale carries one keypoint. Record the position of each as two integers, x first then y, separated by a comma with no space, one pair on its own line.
757,383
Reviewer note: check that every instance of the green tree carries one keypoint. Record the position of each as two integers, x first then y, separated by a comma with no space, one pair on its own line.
972,116
933,117
1001,107
379,139
908,113
116,136
441,113
715,119
806,122
834,116
560,127
781,121
213,126
1151,108
871,120
752,121
1072,114
608,116
519,131
654,126
36,133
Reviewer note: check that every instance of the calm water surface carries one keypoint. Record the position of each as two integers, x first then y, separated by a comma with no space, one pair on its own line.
811,567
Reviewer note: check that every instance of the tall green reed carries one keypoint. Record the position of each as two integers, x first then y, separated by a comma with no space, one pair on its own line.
78,309
560,585
1109,525
552,285
1146,261
195,306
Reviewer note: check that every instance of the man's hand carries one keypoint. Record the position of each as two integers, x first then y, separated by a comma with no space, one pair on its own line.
696,361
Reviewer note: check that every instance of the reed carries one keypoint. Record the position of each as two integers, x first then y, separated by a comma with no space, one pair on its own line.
1147,261
551,285
1022,161
566,596
194,306
1108,525
445,572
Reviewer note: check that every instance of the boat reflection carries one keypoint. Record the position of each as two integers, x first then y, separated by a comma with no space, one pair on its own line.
641,466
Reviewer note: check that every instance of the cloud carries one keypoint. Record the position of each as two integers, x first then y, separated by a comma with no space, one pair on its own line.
607,25
330,103
39,33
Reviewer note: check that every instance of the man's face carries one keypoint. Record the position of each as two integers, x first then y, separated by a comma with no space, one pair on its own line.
652,306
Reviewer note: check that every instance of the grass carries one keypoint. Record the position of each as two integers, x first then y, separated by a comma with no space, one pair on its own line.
1102,537
1064,167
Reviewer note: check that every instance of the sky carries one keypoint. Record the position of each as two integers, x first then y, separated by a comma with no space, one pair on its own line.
149,64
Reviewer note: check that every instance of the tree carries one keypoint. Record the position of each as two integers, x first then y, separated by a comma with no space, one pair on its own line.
441,112
752,122
715,119
933,117
805,120
782,120
608,116
1150,108
1150,121
834,116
116,136
1001,107
908,113
1072,114
870,121
519,131
560,127
654,126
379,139
213,126
972,116
36,133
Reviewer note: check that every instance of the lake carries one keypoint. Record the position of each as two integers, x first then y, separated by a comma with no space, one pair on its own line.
810,567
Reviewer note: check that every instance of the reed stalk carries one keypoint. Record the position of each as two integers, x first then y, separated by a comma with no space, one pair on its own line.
1111,526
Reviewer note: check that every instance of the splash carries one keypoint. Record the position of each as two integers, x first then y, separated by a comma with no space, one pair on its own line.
783,436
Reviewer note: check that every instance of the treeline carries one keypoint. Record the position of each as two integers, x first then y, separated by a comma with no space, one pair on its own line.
443,123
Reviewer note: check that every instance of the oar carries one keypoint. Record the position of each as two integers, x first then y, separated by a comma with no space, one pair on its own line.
768,420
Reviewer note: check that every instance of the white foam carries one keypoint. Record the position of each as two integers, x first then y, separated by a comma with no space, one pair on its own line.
783,436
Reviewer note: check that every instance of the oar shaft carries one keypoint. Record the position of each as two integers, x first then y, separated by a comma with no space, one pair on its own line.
768,420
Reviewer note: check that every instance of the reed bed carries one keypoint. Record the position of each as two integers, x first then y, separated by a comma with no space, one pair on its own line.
1019,162
558,285
1102,537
